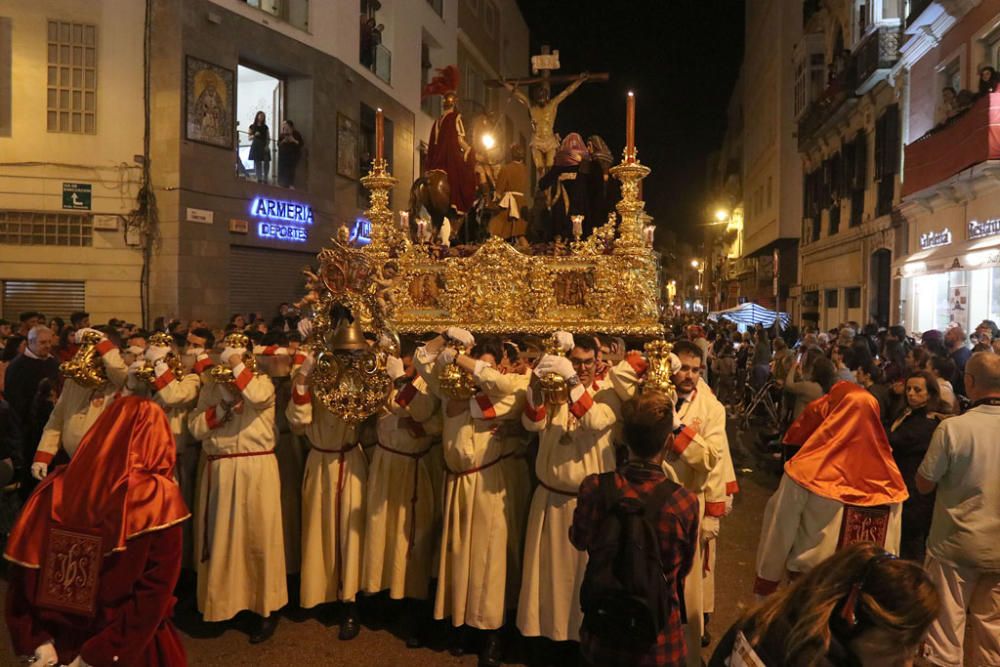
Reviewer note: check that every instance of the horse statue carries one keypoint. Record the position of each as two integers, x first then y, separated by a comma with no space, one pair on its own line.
431,192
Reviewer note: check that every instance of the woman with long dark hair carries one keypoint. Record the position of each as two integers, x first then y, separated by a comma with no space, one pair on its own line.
860,607
260,146
909,437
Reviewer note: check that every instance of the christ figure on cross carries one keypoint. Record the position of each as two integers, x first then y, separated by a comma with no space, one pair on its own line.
544,142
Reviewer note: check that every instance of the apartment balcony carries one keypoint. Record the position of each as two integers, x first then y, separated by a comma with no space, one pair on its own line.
874,57
917,8
869,63
828,105
967,140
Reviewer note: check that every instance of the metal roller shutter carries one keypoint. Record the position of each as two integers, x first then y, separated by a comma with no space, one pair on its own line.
53,298
261,279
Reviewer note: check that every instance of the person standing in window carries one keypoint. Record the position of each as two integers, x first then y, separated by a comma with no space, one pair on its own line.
260,139
289,152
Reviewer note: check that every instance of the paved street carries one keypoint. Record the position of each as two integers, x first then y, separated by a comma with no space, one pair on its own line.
301,639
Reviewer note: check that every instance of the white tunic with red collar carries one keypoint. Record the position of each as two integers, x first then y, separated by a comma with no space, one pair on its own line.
333,502
79,407
403,495
475,551
576,440
239,546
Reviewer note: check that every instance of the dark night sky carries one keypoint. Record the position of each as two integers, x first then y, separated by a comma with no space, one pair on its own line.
681,57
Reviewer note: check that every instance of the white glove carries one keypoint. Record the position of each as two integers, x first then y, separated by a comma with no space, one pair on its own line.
46,653
308,364
565,340
394,367
551,363
447,355
305,327
229,353
79,662
709,528
461,335
80,333
156,352
675,363
39,470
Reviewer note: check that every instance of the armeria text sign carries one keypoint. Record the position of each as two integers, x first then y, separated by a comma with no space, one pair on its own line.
283,220
980,230
274,209
935,239
362,232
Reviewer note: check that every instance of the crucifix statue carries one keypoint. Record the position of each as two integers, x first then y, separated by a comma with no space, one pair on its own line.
543,107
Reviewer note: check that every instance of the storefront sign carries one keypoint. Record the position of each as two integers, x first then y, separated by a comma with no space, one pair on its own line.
108,223
270,230
361,233
76,196
980,230
285,220
274,209
200,215
237,226
935,239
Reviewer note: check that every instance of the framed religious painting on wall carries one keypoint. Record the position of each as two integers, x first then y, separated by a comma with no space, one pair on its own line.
209,103
347,147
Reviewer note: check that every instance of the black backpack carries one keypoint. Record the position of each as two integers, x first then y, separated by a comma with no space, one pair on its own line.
625,594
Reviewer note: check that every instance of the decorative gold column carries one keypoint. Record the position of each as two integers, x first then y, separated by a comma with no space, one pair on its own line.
630,208
387,237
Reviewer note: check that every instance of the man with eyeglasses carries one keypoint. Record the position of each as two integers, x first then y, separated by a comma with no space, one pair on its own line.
575,440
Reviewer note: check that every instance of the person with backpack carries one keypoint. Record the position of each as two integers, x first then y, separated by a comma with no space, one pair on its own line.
640,531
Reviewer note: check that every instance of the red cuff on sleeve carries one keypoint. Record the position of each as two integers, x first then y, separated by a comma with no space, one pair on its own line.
716,509
764,587
163,380
683,439
405,395
43,457
212,417
580,407
104,347
732,488
486,406
243,379
638,364
301,399
532,413
298,359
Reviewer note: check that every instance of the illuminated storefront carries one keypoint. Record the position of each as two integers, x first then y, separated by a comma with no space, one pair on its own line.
953,273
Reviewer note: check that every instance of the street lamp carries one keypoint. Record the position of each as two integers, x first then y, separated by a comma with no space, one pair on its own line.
694,264
721,215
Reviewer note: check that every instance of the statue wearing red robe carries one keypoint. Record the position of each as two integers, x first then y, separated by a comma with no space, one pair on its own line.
448,152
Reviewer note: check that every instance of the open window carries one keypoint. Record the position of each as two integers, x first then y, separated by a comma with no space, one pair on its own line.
258,92
373,53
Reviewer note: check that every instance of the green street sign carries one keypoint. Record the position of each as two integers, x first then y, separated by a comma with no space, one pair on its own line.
76,196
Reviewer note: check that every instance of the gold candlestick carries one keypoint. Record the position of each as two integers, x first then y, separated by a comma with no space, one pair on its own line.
631,207
386,237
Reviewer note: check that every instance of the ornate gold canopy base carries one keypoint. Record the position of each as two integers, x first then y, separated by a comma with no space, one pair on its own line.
607,283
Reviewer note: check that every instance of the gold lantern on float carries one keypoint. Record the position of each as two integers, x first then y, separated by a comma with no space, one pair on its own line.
147,372
86,367
350,378
222,373
554,388
455,381
659,374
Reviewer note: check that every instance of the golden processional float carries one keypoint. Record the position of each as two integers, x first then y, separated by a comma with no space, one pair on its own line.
606,283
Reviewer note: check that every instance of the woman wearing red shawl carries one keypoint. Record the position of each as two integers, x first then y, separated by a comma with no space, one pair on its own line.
113,517
842,487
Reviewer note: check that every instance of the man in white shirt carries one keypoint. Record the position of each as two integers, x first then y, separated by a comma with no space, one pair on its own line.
963,550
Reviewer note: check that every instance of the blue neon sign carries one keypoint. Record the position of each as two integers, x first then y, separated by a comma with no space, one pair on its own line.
275,209
361,234
285,220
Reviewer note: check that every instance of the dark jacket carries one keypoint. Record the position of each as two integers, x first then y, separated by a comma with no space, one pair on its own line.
260,141
909,442
21,383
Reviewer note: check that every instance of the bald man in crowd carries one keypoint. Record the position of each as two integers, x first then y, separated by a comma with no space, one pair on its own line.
963,552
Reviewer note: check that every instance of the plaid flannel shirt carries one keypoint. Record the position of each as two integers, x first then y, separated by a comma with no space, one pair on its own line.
678,531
